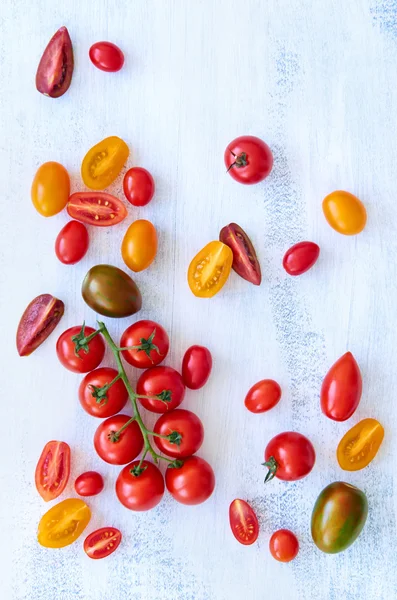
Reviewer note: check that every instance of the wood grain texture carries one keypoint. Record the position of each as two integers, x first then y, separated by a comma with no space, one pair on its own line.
316,80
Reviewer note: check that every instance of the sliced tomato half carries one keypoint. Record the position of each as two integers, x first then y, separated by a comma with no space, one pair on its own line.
96,208
102,542
53,469
243,522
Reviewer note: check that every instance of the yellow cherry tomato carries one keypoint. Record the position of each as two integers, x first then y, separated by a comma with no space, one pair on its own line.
345,212
63,523
50,189
210,269
359,445
139,245
103,162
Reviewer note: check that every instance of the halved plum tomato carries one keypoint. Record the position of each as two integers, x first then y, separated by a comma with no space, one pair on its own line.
55,69
96,208
53,469
243,522
245,261
300,258
63,523
103,162
360,445
102,542
210,269
38,321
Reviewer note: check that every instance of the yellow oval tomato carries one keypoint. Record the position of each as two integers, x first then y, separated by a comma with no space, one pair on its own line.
139,245
63,523
103,162
210,269
50,189
345,212
359,445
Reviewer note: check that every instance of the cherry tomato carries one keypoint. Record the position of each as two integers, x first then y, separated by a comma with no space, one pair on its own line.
245,262
55,70
192,483
165,389
186,430
196,367
248,159
71,243
138,186
50,189
96,208
140,488
360,444
148,344
53,469
284,545
103,162
99,401
109,291
243,522
209,270
38,321
106,56
89,483
139,245
344,212
300,258
63,523
289,456
102,542
341,389
88,357
263,396
118,448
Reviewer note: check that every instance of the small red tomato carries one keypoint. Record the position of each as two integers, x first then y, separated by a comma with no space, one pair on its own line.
148,344
140,487
263,396
38,321
102,542
96,208
139,187
89,483
192,483
115,447
341,389
300,258
72,243
289,456
55,69
196,367
186,433
245,261
99,401
164,387
248,159
52,470
243,522
87,357
284,545
106,56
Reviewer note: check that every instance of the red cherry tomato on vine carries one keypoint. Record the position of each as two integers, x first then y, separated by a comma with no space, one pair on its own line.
150,344
72,242
187,430
263,396
341,389
102,542
243,522
300,258
284,545
99,402
139,187
140,488
196,367
248,159
106,56
89,483
118,448
289,456
192,483
87,358
165,387
53,469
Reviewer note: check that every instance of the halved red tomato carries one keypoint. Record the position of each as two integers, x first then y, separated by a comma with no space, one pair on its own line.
96,208
243,522
102,542
52,471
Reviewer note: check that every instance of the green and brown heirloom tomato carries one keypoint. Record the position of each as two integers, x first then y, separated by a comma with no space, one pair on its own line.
111,292
338,517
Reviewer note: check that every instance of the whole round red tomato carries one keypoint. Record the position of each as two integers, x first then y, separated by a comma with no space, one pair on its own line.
99,401
289,456
192,483
102,542
300,258
186,431
72,243
140,488
138,185
118,448
89,483
248,159
164,387
263,396
89,354
196,367
148,344
341,389
284,545
106,56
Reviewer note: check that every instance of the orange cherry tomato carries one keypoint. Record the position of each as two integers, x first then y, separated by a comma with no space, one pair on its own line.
50,189
345,212
63,523
359,445
139,245
210,269
103,162
284,545
52,470
243,522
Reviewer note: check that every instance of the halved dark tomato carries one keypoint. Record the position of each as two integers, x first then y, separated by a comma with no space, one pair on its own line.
52,471
245,261
55,69
102,542
243,522
96,208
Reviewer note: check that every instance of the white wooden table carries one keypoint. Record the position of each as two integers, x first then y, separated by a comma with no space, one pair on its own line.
316,80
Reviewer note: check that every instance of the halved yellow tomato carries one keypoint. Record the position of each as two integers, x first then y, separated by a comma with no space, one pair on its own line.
63,523
103,162
360,445
344,212
139,245
210,269
50,189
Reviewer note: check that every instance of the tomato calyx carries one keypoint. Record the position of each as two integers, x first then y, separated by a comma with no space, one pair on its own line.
176,464
81,341
145,346
175,438
137,470
114,436
100,393
272,465
240,160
